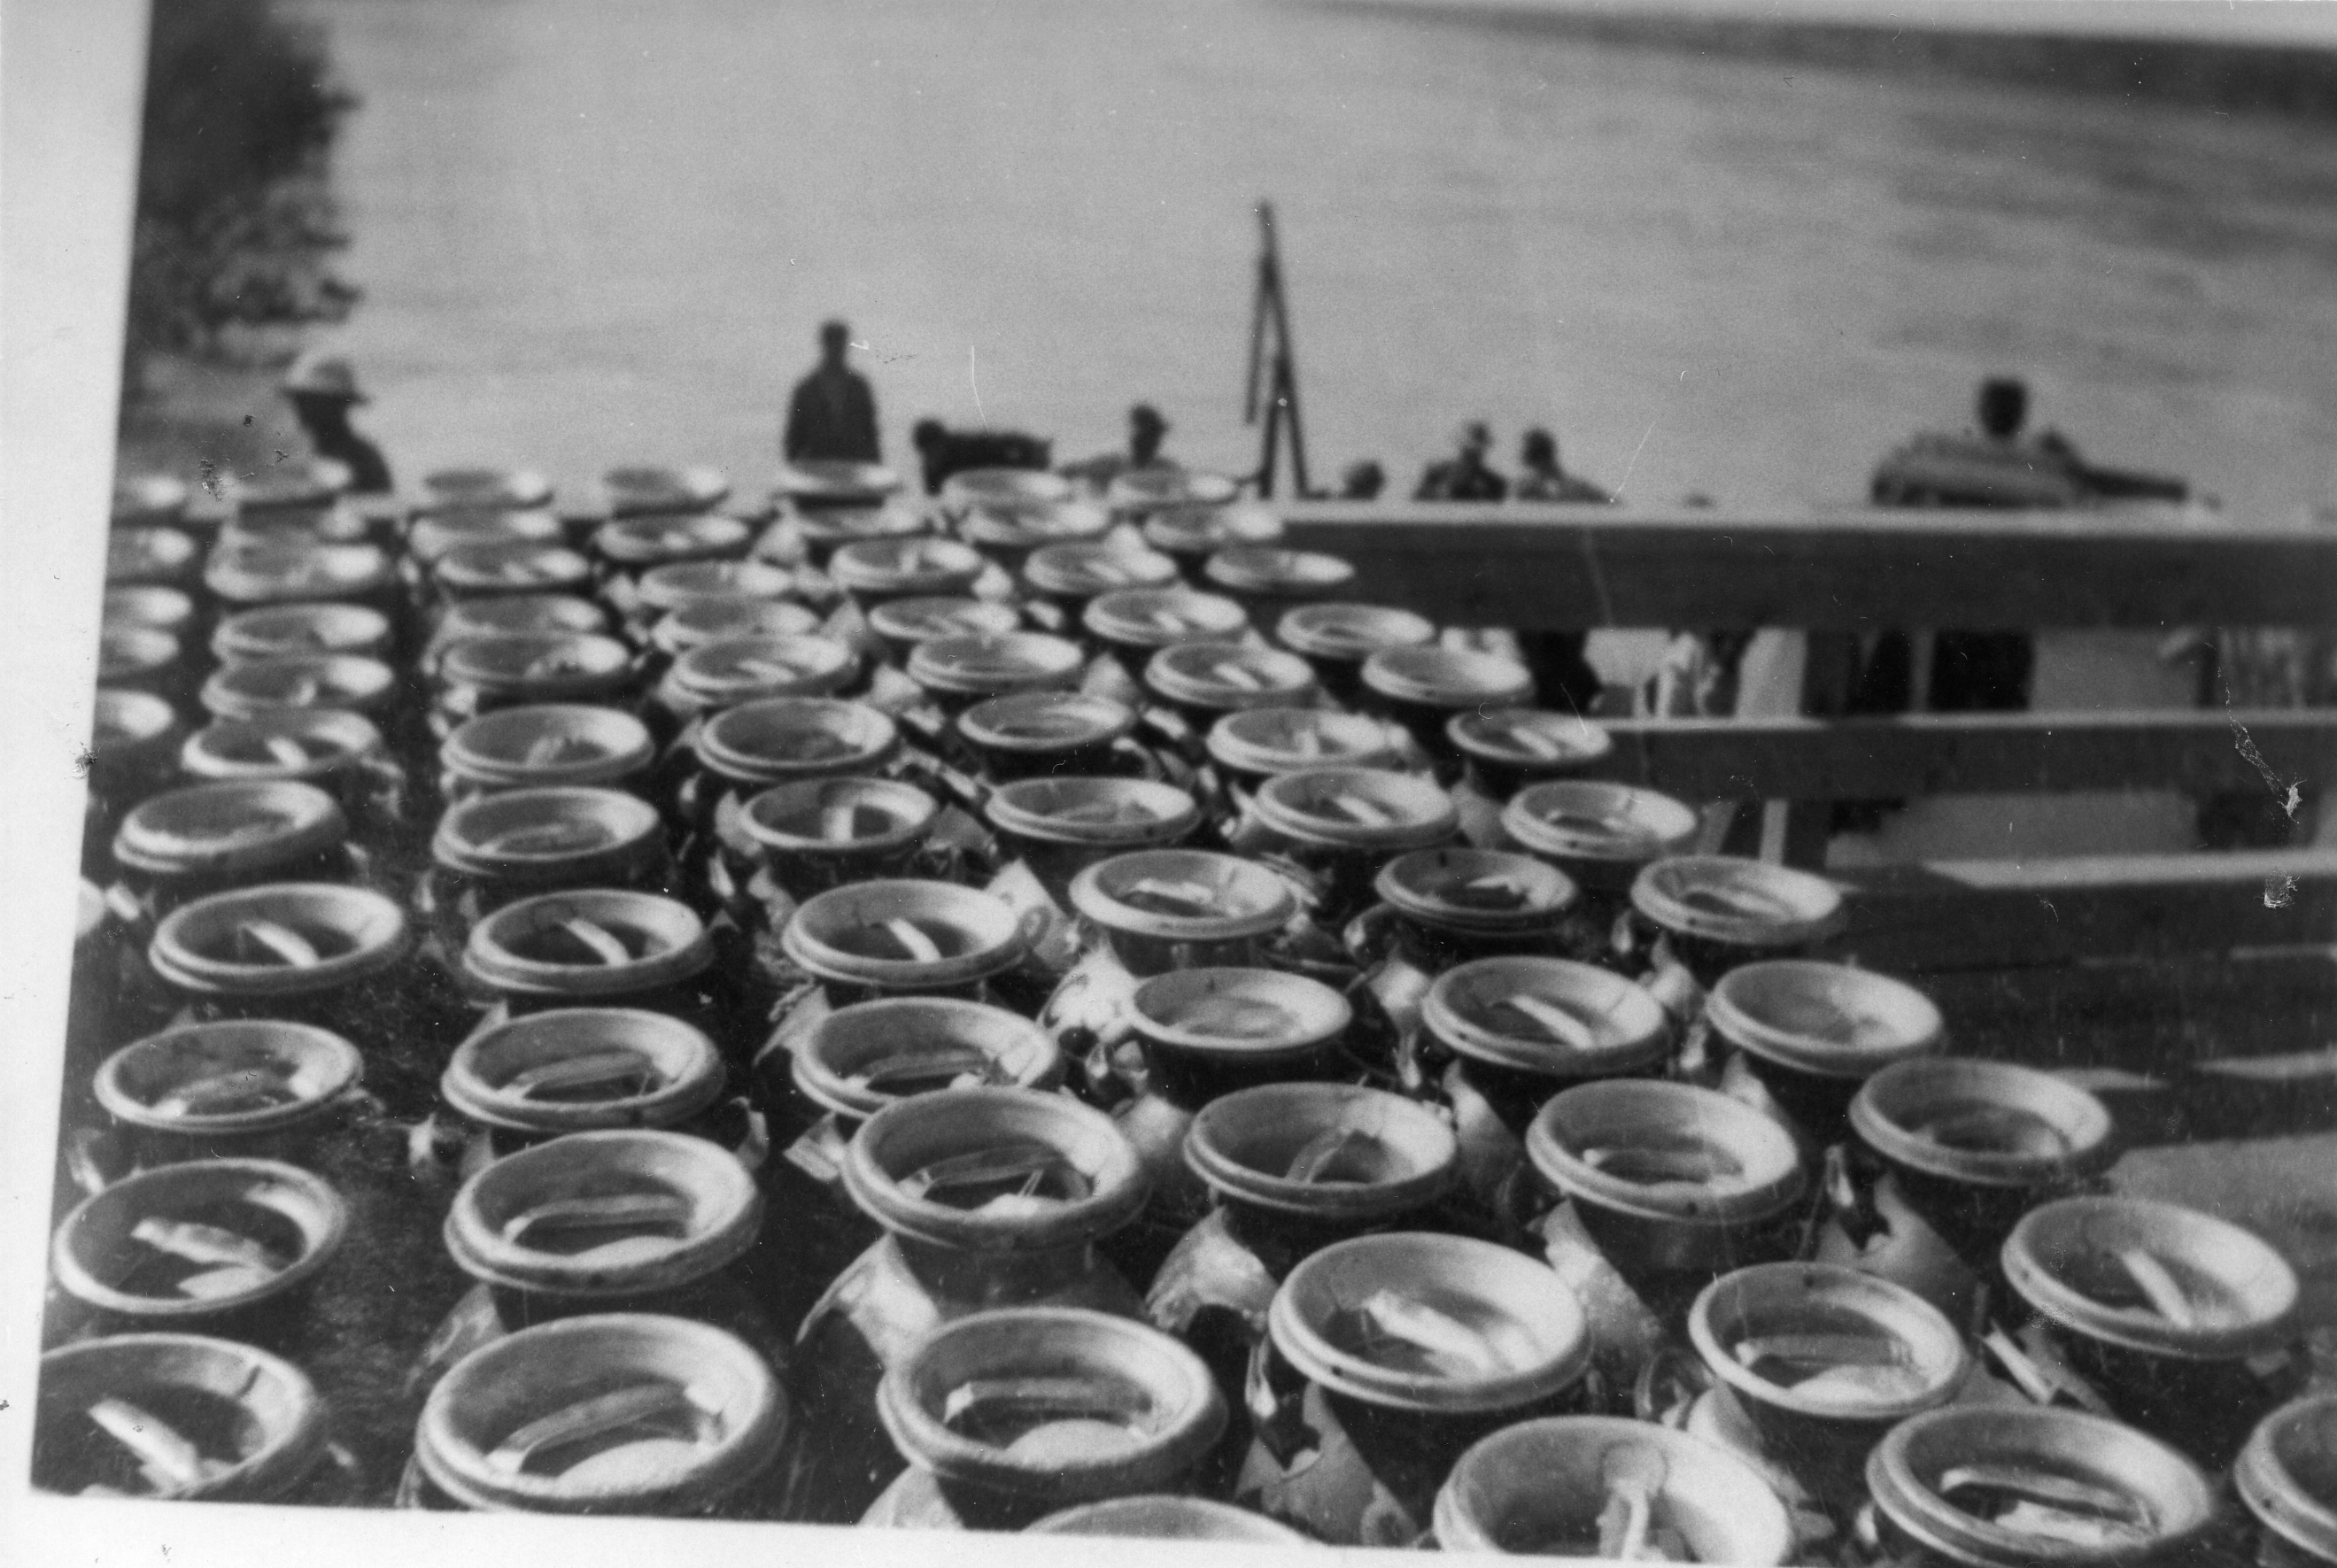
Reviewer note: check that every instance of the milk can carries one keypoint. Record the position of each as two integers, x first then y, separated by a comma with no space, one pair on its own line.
2181,1323
818,1088
505,567
1203,681
282,570
492,850
227,1247
1972,1145
726,673
262,1088
1267,581
481,675
180,1416
134,751
95,983
1004,489
1713,913
1146,491
1009,537
1502,750
521,1082
482,485
142,658
1188,533
695,584
1290,1168
433,536
1051,733
1161,909
1443,907
188,844
2287,1476
629,547
1132,624
900,623
648,490
1006,1416
874,572
1674,1185
1204,1033
1337,637
895,937
619,1220
1424,688
822,531
305,680
1167,1516
1811,1365
543,745
273,630
1996,1487
1602,1486
1339,825
1392,1356
1500,1036
152,555
1251,746
991,1197
1602,835
958,671
743,751
153,605
341,753
614,1413
605,947
1806,1035
828,833
817,485
148,498
695,625
313,952
508,613
1064,577
1061,826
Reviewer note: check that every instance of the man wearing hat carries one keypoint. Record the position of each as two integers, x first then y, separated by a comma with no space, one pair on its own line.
322,389
1145,430
1465,476
832,417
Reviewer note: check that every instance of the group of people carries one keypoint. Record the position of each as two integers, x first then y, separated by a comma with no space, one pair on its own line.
1466,475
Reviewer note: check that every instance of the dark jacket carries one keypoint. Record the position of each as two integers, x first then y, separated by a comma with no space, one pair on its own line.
832,415
368,471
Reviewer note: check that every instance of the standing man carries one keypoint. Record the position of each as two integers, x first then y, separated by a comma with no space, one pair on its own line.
833,414
322,389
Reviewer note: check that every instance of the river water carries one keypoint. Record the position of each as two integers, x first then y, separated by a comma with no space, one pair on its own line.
601,232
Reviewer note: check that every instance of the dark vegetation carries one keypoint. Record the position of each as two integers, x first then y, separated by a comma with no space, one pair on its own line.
236,230
2231,78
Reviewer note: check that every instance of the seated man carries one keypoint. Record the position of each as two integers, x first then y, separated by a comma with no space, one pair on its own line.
942,452
1543,480
1465,476
322,389
1146,430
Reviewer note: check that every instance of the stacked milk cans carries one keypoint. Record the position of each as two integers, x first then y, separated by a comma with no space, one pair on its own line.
1045,1009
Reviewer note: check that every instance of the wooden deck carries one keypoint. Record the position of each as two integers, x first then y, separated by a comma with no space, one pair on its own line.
2198,992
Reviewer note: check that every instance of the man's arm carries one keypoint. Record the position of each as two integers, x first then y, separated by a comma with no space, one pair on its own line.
863,418
791,435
